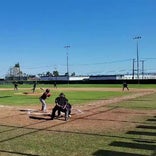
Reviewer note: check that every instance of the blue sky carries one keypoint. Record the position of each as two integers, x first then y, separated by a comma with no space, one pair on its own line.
100,34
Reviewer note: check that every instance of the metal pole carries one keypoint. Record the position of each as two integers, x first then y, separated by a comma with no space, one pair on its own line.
142,69
133,69
67,64
137,38
67,47
137,61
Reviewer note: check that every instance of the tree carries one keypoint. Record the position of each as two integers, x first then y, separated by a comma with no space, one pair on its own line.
73,74
55,73
17,65
66,74
49,73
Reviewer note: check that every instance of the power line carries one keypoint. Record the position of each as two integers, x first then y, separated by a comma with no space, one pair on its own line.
101,63
149,58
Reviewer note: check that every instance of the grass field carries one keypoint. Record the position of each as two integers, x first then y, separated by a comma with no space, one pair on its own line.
11,97
120,128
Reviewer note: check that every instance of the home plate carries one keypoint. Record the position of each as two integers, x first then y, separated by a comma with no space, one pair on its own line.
38,113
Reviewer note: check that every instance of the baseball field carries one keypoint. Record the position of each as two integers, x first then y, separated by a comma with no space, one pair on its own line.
105,121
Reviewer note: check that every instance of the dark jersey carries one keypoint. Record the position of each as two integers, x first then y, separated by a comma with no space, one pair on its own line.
125,85
62,101
44,95
34,86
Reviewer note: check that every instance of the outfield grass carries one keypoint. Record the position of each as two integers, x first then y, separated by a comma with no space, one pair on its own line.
11,97
143,103
80,85
16,140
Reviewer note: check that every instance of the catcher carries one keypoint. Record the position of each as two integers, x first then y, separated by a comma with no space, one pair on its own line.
62,105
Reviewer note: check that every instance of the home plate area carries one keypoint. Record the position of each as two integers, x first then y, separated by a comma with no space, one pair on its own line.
40,115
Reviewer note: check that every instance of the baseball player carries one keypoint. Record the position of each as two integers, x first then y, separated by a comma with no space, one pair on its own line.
42,99
34,86
15,86
125,85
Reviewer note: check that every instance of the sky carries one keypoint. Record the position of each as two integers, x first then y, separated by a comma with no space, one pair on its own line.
100,34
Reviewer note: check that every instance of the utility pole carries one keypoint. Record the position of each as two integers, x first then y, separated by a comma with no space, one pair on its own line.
133,69
142,61
137,49
67,47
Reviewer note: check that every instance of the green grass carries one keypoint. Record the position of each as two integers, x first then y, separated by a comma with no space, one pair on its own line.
76,97
141,86
51,141
82,97
145,103
81,85
11,97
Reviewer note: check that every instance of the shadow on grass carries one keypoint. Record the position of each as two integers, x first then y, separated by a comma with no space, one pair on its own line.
18,153
142,133
144,141
138,144
132,145
146,127
151,120
114,153
5,96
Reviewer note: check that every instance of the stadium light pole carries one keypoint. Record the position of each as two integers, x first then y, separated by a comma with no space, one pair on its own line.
137,48
67,47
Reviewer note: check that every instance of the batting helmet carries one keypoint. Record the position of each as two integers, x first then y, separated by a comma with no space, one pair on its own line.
47,90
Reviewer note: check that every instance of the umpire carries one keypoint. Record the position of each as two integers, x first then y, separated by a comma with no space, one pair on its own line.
61,106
